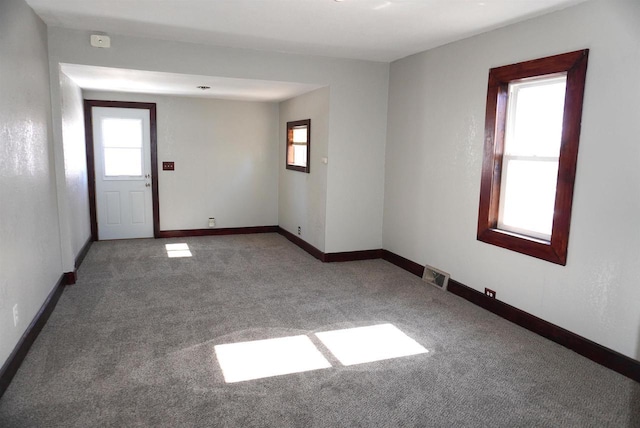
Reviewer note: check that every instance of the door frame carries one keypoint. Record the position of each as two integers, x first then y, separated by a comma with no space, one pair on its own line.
91,169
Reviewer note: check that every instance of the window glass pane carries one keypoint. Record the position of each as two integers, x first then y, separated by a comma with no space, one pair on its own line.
299,155
122,161
300,134
121,132
534,117
528,197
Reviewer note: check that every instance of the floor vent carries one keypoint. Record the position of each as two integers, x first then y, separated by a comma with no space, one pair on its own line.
435,277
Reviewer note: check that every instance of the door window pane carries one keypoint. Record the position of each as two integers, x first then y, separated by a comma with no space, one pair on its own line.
122,161
122,147
121,132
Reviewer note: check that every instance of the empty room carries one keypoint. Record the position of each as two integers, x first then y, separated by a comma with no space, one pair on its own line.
319,213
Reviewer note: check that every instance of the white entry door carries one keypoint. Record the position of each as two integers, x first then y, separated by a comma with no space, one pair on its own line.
121,145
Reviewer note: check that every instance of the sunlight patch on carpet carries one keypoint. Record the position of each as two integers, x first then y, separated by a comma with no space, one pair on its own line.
178,250
266,358
367,344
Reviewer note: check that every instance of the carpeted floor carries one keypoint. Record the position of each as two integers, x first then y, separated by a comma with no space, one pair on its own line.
132,344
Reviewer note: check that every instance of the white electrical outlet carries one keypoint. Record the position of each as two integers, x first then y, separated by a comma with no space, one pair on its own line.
212,222
15,315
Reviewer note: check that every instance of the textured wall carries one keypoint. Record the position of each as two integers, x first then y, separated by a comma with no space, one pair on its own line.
434,159
30,261
302,196
75,228
357,119
225,155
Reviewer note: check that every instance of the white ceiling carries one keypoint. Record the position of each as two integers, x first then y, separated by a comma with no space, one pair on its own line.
154,82
377,30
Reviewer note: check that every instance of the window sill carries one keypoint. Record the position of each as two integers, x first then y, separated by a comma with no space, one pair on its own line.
545,250
298,168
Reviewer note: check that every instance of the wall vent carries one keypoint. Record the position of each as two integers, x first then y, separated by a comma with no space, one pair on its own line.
435,277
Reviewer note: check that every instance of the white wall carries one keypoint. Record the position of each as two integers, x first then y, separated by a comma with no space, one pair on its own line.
226,160
357,130
355,179
302,195
71,168
30,261
434,159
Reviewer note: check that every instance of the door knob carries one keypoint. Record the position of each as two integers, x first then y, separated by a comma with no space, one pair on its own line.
147,185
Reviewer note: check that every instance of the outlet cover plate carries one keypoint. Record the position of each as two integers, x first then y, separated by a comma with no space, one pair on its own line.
490,293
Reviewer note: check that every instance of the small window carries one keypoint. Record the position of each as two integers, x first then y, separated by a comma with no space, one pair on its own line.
532,131
299,145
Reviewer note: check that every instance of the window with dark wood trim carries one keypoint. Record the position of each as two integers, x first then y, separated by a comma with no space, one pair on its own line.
298,155
549,245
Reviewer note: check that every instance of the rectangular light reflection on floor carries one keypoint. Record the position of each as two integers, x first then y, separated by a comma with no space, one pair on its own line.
271,357
178,250
366,344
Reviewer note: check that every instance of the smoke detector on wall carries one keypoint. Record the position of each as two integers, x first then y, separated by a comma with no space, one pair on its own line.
100,41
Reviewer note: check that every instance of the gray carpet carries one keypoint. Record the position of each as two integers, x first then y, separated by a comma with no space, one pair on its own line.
132,344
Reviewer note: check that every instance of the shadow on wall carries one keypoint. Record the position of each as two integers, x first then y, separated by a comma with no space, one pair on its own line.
634,397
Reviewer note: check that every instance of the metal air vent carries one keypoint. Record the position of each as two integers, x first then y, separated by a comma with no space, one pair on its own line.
435,277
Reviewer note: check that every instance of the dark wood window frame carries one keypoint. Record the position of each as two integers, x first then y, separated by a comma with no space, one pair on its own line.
289,145
555,249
